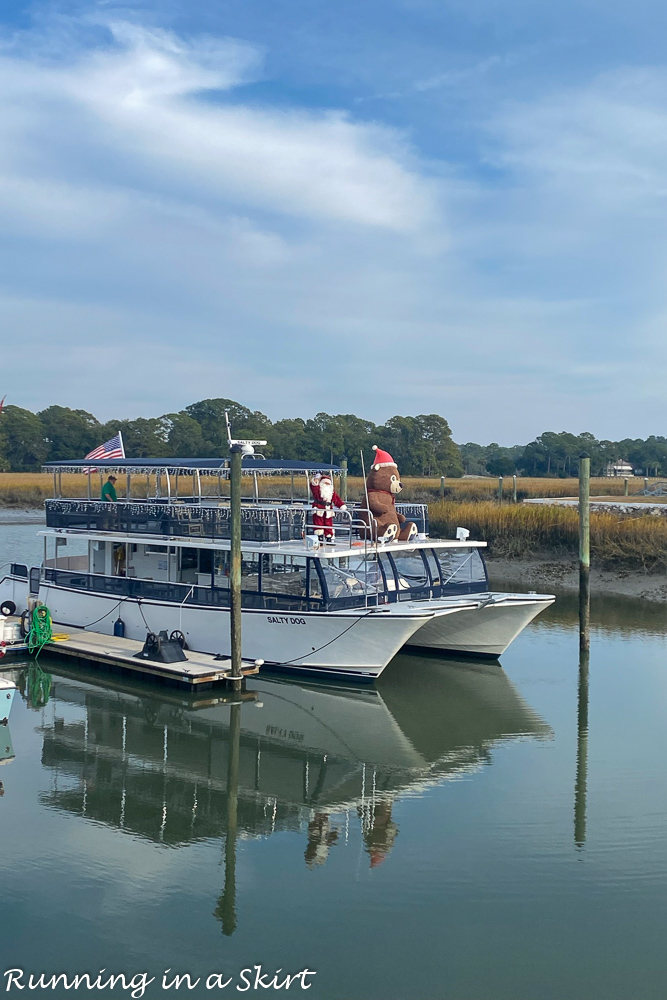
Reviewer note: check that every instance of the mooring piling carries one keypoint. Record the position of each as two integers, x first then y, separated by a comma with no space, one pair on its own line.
514,488
584,551
442,488
625,487
500,489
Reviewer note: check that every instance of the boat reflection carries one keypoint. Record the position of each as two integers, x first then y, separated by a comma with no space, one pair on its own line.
309,757
6,749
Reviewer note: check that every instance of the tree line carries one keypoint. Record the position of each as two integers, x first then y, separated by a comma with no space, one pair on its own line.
421,445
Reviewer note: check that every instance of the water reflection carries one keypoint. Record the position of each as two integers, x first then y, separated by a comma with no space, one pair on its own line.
6,747
309,759
159,767
611,615
581,780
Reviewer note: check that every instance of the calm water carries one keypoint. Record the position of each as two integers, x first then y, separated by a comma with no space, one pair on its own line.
450,834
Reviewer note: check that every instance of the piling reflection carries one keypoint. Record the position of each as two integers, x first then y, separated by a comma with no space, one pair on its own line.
582,753
314,760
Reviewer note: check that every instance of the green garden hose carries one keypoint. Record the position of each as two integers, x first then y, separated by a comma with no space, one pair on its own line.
40,629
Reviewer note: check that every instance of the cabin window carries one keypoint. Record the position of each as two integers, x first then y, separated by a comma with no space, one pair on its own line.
118,561
189,559
284,575
388,571
315,582
433,565
196,566
249,571
351,576
221,569
99,557
411,571
462,570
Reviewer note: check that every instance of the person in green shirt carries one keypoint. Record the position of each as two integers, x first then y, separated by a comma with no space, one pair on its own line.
109,491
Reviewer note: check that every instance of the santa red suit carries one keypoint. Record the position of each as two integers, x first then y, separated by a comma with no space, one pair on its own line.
325,499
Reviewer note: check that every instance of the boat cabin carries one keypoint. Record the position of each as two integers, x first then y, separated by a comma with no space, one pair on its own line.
175,548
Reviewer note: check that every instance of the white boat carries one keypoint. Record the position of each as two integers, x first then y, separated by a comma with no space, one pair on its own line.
162,563
7,692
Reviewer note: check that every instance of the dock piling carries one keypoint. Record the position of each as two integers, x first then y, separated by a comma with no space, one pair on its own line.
514,488
235,560
625,487
584,551
343,479
442,488
500,489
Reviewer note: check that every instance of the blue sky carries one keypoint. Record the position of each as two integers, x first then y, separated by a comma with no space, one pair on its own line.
378,208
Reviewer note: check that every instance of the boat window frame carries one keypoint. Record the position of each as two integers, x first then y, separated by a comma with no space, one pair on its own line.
471,587
412,593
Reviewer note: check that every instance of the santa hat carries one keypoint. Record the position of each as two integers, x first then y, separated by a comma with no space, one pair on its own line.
382,458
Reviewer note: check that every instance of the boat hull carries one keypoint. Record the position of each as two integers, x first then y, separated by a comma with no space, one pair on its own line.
356,644
486,630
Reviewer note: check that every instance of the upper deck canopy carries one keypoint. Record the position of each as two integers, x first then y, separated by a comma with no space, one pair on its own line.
252,465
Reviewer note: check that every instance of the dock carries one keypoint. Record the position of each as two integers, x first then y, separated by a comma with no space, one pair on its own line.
199,671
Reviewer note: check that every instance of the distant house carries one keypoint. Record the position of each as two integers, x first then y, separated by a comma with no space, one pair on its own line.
619,468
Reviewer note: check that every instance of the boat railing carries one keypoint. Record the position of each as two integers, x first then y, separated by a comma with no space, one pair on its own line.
260,522
176,520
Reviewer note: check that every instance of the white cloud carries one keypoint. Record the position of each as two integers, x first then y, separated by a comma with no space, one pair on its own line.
140,103
161,228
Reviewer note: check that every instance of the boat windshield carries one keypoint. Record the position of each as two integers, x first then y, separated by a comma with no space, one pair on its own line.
351,576
463,571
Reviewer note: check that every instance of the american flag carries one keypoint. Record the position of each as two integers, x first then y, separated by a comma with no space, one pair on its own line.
110,449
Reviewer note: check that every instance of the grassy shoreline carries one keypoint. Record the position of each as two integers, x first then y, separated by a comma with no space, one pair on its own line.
619,542
30,489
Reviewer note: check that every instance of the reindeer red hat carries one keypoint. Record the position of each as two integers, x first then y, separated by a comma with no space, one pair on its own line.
382,458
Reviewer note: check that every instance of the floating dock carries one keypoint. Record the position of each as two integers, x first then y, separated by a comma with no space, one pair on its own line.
198,671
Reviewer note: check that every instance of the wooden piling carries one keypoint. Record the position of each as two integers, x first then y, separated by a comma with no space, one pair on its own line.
625,487
645,483
514,488
343,479
235,561
442,488
500,489
584,551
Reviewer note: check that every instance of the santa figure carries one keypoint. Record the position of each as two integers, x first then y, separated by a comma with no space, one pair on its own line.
325,499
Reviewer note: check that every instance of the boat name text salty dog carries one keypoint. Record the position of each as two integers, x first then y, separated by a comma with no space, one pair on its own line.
247,979
284,620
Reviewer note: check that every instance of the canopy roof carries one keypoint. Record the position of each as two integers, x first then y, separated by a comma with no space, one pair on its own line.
252,465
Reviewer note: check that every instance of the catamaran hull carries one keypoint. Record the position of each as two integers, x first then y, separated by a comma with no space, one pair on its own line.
357,644
486,630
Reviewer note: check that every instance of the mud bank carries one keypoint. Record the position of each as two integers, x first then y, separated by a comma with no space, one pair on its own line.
545,574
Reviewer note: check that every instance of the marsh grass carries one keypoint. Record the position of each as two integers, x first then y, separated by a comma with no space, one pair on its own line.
514,530
30,489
